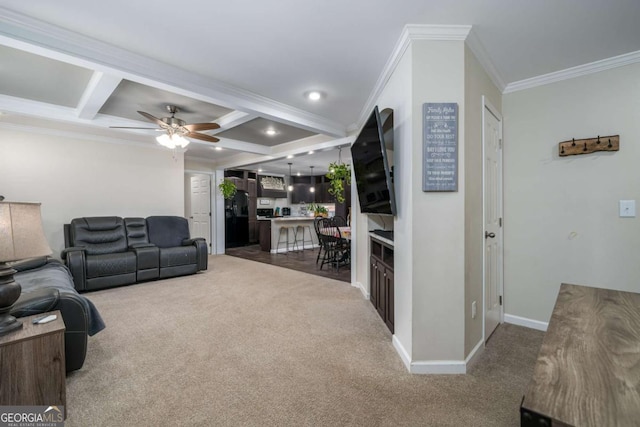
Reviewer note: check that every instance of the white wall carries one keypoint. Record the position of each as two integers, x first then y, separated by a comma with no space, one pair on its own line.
561,214
397,96
429,229
477,84
75,178
437,223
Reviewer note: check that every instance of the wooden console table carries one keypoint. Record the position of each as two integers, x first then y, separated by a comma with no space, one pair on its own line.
32,365
588,369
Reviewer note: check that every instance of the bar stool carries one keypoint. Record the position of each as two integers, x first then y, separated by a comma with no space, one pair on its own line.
303,228
285,229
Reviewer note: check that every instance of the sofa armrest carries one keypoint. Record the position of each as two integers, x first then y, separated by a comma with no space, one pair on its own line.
67,251
75,259
35,302
189,242
202,251
142,245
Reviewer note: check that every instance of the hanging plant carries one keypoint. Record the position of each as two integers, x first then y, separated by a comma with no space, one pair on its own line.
227,188
339,176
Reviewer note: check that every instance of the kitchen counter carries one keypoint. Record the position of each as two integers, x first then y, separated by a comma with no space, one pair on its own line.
294,218
275,224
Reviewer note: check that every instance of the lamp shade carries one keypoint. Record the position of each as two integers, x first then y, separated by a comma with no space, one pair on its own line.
21,233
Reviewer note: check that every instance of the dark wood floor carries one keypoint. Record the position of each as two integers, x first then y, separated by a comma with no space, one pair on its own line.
300,261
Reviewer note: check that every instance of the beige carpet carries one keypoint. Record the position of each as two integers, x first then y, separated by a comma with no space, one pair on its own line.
251,344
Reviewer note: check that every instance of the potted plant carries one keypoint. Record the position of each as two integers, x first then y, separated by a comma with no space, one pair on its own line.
339,175
318,210
227,188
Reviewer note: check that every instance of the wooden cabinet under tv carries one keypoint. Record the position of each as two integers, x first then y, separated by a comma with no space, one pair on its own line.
382,280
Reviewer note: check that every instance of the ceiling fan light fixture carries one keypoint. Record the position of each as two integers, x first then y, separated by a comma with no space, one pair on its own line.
172,141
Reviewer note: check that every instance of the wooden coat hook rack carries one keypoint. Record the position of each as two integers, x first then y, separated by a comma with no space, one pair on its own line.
589,145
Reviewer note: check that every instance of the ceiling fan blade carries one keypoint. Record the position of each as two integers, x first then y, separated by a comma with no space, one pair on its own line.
153,119
203,137
194,127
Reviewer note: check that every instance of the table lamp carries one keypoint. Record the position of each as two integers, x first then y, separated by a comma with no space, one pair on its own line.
21,237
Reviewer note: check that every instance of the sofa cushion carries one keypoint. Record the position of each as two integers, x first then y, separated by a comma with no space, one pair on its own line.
136,231
167,231
99,235
110,264
171,257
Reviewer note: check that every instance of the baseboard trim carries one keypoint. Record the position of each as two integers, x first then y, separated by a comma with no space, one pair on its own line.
365,293
474,355
402,352
439,367
430,366
527,323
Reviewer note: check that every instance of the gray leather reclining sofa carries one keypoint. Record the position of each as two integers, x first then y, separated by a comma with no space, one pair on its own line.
46,286
103,252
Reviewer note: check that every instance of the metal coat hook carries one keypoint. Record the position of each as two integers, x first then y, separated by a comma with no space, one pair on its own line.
609,143
598,141
573,143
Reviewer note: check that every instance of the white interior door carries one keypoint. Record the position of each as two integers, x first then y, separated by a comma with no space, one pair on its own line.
201,207
493,279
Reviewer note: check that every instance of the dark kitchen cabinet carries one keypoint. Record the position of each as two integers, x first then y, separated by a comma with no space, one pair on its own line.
265,235
342,209
253,231
382,281
271,186
302,193
252,187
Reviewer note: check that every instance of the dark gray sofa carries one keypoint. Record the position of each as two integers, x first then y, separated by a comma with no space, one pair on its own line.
47,285
103,252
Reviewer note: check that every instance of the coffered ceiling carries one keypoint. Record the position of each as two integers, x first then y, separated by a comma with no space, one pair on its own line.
248,65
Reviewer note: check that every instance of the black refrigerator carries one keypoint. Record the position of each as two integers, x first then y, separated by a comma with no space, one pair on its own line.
236,211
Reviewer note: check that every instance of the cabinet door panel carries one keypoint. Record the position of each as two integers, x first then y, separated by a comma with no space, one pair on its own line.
373,277
388,290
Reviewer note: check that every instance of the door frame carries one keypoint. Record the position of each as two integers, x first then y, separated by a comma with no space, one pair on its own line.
213,231
487,107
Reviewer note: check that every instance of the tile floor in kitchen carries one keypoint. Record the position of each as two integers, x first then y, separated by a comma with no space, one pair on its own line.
300,261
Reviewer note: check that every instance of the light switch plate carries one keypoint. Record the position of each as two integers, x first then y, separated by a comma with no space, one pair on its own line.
627,208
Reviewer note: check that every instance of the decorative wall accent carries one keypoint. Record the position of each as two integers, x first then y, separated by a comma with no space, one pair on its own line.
589,145
440,147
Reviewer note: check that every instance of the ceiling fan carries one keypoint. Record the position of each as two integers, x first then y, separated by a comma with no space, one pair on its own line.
176,129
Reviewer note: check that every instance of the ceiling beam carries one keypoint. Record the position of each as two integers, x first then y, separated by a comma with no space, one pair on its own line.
234,144
231,120
281,151
98,90
42,38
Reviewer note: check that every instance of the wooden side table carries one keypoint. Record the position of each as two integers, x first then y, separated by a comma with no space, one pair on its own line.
32,365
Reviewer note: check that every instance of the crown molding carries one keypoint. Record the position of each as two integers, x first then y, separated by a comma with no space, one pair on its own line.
78,135
476,46
35,36
573,72
409,34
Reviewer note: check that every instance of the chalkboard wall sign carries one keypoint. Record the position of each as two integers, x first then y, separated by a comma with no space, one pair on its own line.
440,147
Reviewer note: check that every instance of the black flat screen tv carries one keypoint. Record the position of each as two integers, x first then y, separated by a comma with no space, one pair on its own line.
371,167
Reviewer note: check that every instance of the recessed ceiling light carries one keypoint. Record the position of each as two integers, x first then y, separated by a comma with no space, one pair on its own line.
270,132
218,148
298,173
314,95
259,170
290,156
310,152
